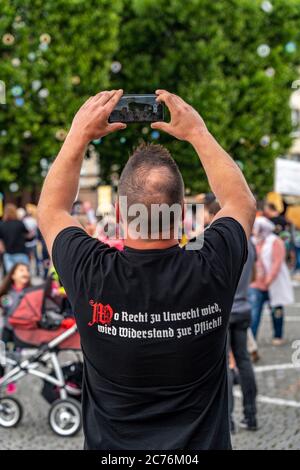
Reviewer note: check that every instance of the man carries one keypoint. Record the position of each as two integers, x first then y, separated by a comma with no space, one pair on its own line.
153,318
273,214
240,321
210,210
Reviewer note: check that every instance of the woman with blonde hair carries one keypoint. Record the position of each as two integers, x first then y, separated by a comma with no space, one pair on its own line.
272,282
13,234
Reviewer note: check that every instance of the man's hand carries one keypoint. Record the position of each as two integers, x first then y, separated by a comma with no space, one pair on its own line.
225,178
61,184
91,121
185,122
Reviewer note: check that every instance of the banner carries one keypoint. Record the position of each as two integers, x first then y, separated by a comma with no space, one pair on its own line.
104,200
287,177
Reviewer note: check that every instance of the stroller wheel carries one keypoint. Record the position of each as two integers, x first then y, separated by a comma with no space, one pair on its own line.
11,412
65,417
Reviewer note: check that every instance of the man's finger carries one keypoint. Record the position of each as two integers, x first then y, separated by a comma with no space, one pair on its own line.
116,126
104,97
162,126
168,99
159,92
88,101
175,98
113,100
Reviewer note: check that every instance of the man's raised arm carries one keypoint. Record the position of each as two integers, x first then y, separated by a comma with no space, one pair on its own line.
224,176
61,184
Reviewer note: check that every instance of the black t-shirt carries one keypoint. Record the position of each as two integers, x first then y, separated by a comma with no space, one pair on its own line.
153,326
13,233
280,223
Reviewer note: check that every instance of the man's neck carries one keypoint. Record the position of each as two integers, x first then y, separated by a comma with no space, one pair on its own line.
150,244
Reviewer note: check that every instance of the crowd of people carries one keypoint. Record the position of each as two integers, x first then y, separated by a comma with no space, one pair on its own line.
154,393
273,258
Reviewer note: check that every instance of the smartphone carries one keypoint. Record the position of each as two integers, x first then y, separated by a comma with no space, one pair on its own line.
137,108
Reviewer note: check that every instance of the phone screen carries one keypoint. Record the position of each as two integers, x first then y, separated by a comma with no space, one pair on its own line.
137,108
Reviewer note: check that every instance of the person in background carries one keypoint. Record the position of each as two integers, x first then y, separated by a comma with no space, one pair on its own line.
296,245
13,235
30,223
43,255
210,210
273,214
11,289
240,321
272,281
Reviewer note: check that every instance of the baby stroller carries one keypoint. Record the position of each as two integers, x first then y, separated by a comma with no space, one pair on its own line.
39,321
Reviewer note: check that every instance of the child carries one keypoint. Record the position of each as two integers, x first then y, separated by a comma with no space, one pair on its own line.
11,289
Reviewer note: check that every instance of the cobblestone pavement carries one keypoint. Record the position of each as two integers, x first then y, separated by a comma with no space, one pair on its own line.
278,402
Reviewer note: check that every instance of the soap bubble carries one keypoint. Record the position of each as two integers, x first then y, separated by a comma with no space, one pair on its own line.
19,102
290,47
17,90
36,85
267,6
44,163
8,39
61,134
265,140
16,62
270,72
14,187
31,56
240,164
155,135
43,93
45,38
75,80
116,66
43,46
263,50
275,145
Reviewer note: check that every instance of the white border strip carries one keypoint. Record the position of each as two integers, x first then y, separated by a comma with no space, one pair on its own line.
289,365
271,401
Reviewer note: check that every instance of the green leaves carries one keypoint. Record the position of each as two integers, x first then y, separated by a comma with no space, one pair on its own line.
205,51
83,37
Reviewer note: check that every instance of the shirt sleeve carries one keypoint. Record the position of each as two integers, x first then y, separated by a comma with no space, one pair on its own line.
73,253
226,249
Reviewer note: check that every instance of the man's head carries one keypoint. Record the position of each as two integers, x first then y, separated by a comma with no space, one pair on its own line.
210,210
270,210
151,177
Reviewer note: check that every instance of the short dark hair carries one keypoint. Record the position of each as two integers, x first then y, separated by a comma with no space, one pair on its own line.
271,206
151,176
214,208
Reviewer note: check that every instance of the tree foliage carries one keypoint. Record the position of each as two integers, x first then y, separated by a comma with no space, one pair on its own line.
83,37
206,52
203,50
